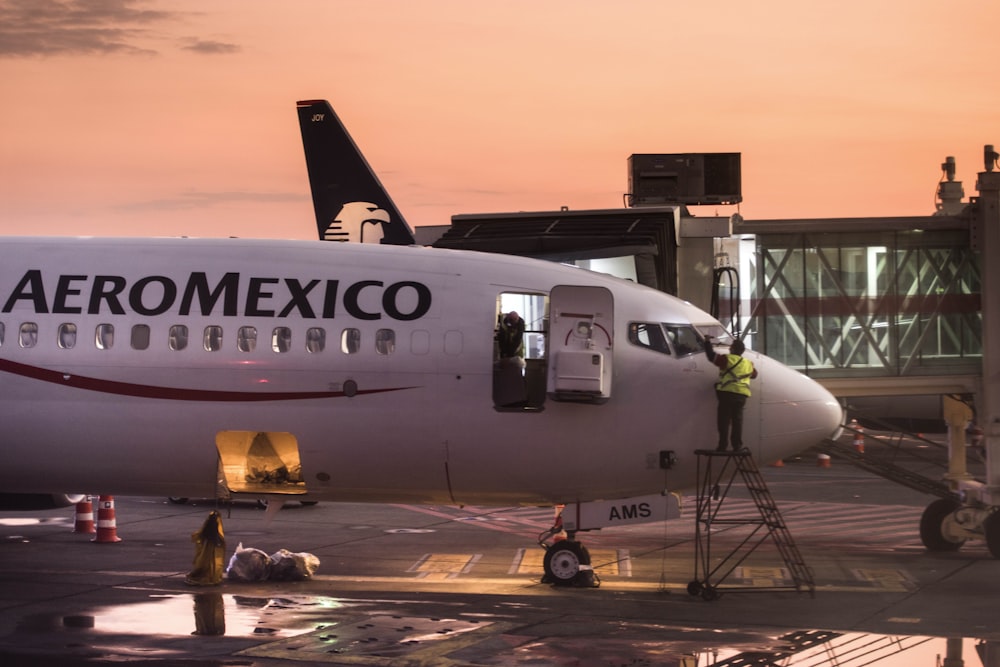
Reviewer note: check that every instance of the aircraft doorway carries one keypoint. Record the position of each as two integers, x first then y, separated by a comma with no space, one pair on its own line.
259,462
520,360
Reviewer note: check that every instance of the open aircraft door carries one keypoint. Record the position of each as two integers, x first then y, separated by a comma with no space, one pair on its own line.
581,343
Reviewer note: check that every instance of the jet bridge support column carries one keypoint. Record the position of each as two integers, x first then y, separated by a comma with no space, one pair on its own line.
974,512
987,229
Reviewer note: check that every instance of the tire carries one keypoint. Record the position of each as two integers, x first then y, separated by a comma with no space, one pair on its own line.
563,560
694,588
991,530
931,521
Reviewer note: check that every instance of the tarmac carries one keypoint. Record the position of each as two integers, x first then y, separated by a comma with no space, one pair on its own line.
406,585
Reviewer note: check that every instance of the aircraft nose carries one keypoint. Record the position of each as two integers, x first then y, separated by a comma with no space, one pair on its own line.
796,411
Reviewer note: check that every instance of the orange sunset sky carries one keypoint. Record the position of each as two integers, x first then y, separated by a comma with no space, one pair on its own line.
178,118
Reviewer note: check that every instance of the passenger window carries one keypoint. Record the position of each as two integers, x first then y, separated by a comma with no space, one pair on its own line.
350,341
104,336
315,339
140,337
178,338
649,335
28,336
3,330
385,341
212,340
684,339
281,339
67,336
246,339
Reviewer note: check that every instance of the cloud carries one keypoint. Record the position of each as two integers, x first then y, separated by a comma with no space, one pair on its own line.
197,200
211,47
40,28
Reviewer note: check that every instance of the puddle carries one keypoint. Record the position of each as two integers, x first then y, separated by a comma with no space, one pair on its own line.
502,644
832,648
25,521
210,614
327,628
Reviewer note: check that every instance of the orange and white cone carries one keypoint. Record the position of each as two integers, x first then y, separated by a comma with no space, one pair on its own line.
823,460
84,520
859,437
107,528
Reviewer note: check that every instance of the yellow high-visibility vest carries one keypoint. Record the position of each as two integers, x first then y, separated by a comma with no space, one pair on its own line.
735,377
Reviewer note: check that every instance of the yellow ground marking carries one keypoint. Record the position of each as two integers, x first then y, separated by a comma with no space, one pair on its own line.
444,566
765,577
893,581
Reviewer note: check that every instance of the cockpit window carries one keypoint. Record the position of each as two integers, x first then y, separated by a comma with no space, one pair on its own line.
718,333
684,339
649,335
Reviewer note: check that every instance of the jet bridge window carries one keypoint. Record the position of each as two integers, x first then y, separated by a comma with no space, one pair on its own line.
178,337
281,339
315,340
246,339
140,337
212,338
66,337
385,341
649,335
28,336
104,336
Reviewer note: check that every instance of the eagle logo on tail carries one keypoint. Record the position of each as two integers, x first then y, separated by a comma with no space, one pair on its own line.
358,222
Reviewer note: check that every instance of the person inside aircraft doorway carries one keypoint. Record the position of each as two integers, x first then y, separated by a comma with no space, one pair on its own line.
510,339
732,390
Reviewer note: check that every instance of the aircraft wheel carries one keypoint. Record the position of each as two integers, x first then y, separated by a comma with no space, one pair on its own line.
176,500
709,594
562,562
932,530
694,588
991,528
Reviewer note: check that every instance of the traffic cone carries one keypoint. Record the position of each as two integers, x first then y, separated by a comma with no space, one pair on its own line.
823,460
107,529
859,437
778,464
84,520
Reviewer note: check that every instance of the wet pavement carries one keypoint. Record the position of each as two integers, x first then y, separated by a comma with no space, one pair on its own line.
410,585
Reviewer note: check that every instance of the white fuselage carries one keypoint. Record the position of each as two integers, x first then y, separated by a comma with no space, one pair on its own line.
372,367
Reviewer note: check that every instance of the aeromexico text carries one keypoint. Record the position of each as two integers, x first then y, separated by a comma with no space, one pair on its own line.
231,295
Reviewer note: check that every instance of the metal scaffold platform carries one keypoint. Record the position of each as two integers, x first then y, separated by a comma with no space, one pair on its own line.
717,473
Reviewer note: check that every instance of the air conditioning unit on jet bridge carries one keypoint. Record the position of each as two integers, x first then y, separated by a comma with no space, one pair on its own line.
655,179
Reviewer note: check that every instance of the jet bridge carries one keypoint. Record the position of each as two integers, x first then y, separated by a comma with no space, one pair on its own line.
896,307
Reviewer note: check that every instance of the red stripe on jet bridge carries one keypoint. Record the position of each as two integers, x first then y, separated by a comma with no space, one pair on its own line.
169,393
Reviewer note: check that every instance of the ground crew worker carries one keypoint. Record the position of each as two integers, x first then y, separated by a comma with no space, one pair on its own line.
732,390
510,336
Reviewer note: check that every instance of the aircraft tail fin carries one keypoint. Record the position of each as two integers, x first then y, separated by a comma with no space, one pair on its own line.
351,204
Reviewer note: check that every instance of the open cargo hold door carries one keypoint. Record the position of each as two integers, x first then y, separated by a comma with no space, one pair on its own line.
581,343
260,462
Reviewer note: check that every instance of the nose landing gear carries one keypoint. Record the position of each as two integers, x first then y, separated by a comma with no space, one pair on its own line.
566,562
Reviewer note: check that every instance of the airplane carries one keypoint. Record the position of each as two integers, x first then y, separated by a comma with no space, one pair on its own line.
363,372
